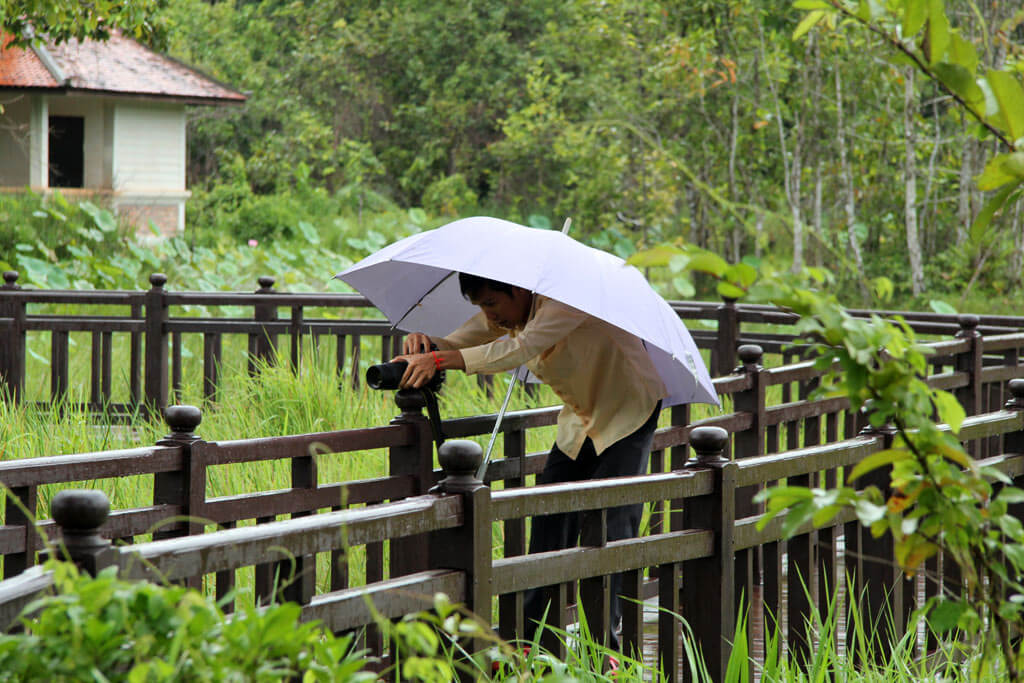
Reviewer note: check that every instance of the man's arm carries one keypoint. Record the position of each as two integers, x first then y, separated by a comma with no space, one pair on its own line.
552,323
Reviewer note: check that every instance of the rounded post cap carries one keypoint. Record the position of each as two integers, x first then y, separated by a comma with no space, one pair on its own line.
182,418
750,354
1016,387
968,321
266,281
410,400
10,277
460,457
157,280
80,510
709,442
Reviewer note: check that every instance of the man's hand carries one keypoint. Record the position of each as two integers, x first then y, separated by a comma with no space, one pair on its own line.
417,342
423,366
420,370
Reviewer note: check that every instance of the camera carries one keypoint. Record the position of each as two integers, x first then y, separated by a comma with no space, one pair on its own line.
389,375
385,376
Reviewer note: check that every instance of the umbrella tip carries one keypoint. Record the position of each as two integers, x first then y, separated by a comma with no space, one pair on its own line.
566,225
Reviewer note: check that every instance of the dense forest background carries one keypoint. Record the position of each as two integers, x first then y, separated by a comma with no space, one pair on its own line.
735,125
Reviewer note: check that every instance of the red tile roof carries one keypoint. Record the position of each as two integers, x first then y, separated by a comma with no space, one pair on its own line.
22,67
119,66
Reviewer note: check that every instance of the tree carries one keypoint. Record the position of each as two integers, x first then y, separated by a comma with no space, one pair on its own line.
61,21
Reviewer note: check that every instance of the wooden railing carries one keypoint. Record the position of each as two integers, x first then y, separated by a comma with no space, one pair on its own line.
138,340
765,435
697,566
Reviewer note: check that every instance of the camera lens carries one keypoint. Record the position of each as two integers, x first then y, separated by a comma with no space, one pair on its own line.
385,375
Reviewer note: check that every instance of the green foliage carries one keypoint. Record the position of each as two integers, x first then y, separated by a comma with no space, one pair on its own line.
936,498
62,21
39,235
449,196
105,628
921,33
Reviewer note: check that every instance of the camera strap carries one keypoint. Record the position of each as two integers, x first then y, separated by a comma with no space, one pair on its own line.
434,415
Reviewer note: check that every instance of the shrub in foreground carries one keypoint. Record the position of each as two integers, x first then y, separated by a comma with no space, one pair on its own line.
109,629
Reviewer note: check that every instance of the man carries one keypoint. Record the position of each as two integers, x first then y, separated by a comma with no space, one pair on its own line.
610,390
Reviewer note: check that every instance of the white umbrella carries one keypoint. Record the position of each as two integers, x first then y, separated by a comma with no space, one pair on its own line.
414,283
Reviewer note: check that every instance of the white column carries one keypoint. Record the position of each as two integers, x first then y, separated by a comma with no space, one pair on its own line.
39,143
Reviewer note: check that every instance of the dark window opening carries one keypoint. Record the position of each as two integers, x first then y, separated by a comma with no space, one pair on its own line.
67,151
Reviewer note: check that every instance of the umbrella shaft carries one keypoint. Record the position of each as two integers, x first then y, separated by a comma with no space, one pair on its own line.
497,426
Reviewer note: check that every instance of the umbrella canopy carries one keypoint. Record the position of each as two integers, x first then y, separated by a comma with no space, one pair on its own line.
414,283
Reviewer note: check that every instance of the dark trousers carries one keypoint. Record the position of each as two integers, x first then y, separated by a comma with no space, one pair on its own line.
626,457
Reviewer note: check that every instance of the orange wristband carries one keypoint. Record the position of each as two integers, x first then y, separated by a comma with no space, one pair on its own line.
437,361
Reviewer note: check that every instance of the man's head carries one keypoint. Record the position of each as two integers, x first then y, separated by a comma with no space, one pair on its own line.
504,305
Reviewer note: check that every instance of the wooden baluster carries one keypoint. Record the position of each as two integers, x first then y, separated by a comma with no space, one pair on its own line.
212,352
58,366
510,606
12,355
708,602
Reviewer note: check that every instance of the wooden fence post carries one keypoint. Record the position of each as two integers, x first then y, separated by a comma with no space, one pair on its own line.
80,514
749,443
1014,441
708,601
971,363
176,488
884,596
156,343
12,355
467,547
263,345
415,461
723,354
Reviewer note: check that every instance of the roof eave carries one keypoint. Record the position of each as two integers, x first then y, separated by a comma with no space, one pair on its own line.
184,99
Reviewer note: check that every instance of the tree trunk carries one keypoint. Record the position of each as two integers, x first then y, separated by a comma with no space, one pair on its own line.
910,182
1017,259
964,214
792,167
849,197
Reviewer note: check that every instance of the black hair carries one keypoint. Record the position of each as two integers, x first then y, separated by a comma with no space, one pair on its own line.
472,284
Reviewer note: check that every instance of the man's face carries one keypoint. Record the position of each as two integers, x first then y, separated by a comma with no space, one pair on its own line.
504,309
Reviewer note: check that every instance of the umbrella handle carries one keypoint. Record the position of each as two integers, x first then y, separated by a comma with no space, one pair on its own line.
497,426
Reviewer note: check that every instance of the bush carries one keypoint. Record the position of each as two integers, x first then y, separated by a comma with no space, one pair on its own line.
105,628
450,196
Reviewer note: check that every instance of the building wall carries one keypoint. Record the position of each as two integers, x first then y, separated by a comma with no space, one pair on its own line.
92,110
149,147
134,153
15,124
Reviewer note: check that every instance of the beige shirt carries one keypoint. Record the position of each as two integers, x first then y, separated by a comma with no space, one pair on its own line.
603,374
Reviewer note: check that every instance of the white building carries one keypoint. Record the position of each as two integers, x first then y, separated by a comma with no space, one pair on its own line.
102,119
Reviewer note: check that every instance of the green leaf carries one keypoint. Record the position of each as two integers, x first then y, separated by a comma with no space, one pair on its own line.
984,217
963,53
683,287
914,15
807,23
707,262
1010,95
658,256
940,306
1010,495
730,291
995,174
876,460
945,615
949,409
961,81
741,274
811,5
938,31
309,232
